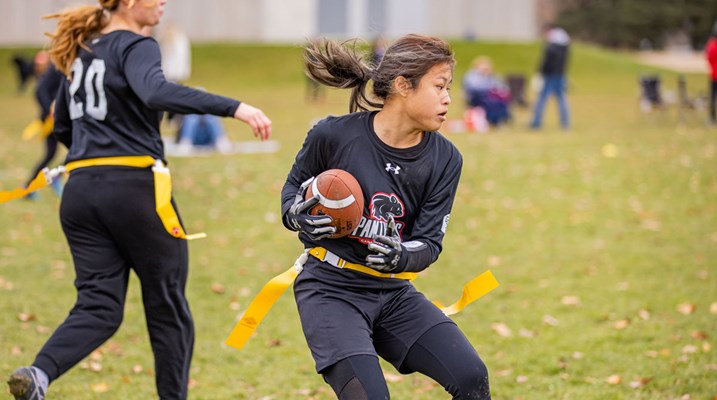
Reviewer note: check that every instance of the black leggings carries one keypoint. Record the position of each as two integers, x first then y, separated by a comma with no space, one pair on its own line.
443,353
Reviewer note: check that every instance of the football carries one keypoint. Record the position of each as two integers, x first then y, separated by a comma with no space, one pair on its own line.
340,197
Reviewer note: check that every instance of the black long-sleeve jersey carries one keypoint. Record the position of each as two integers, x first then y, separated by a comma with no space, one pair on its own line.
46,90
112,104
417,185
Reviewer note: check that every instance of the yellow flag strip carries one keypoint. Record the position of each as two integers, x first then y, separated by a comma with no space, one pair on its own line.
270,293
259,307
42,179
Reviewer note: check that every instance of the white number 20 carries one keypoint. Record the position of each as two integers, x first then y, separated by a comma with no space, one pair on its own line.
94,81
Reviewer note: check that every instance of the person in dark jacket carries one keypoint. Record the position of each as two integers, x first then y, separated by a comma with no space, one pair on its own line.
552,70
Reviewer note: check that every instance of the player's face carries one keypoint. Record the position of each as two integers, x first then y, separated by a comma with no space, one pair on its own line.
148,12
428,103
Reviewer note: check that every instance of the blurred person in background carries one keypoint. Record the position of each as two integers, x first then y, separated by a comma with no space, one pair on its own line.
108,113
482,88
711,55
45,92
552,70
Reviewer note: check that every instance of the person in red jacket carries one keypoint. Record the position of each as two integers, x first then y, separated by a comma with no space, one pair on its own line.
711,54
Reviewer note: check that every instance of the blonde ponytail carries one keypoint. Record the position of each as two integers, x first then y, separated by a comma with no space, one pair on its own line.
74,28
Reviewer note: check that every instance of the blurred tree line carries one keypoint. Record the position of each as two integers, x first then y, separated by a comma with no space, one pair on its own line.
636,23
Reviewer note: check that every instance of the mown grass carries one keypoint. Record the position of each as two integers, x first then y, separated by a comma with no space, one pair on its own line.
600,238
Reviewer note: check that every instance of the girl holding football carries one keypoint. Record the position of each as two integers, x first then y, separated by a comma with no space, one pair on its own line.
354,296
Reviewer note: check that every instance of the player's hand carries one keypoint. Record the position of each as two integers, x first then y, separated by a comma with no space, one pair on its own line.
260,123
299,219
388,249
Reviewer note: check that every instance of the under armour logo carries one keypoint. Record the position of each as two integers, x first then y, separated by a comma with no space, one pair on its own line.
391,168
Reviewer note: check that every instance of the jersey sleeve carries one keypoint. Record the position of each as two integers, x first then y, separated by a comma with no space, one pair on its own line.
62,128
142,67
426,240
309,162
46,90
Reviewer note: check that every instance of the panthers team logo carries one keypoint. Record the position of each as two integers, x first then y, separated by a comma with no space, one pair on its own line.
382,204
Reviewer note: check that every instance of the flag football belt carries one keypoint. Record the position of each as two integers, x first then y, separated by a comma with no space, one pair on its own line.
162,186
272,290
338,262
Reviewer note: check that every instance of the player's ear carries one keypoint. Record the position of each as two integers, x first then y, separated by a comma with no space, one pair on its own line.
401,85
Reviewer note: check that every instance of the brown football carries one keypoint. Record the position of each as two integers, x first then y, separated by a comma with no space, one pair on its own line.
340,197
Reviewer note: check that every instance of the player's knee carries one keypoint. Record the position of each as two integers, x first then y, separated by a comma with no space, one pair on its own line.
471,383
357,378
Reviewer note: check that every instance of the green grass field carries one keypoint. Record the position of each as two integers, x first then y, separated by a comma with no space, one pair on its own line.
604,241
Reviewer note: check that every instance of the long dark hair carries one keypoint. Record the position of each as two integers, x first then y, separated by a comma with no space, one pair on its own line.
341,65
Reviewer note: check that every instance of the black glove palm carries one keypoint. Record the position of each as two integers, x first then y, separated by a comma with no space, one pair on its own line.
299,219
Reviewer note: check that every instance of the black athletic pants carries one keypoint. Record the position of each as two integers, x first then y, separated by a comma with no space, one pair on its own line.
109,218
443,353
50,151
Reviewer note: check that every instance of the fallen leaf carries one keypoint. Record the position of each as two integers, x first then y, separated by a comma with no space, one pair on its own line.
550,320
218,288
614,379
713,308
610,150
192,383
501,329
101,387
706,347
521,379
578,355
504,372
26,317
526,333
42,329
686,308
698,335
621,324
137,368
392,378
494,261
95,366
274,343
644,314
570,300
639,382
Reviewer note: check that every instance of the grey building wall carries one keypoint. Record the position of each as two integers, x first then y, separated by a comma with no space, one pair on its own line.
291,21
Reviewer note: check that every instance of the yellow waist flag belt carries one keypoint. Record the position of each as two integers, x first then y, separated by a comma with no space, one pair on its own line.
162,186
272,290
